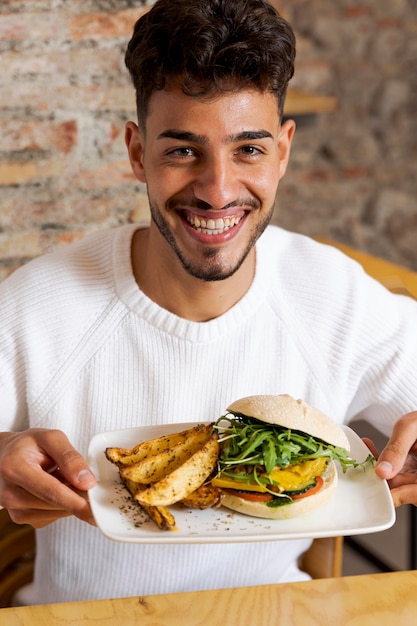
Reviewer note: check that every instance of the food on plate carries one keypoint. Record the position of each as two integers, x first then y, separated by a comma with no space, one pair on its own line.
185,479
161,515
154,467
146,449
170,469
204,497
268,456
277,456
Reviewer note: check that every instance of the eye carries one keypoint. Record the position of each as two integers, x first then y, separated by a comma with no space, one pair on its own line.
250,150
182,152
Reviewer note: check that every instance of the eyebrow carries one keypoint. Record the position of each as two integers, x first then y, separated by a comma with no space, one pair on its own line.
183,135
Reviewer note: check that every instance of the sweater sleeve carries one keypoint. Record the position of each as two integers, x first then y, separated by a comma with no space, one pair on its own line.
47,309
360,340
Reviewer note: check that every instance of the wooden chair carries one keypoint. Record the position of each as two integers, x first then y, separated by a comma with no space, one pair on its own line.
17,552
324,558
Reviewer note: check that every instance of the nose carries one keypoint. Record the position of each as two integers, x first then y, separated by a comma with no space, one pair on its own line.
217,182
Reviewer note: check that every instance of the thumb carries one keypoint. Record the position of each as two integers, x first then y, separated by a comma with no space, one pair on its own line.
70,464
403,438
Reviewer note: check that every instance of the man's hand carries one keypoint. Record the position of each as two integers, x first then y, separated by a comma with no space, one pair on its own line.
397,462
43,478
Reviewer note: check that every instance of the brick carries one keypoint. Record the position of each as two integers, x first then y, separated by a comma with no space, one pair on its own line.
44,96
53,239
27,245
389,21
60,209
104,25
38,135
66,136
19,245
33,26
357,11
15,173
313,75
140,211
61,63
356,172
104,175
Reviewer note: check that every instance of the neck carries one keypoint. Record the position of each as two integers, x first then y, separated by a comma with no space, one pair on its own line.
162,278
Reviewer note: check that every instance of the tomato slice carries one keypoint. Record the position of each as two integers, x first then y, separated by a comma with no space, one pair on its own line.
252,496
309,492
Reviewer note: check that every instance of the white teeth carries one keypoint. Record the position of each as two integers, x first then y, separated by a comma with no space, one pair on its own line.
213,227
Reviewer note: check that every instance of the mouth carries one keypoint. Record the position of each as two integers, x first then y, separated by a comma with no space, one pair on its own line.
212,226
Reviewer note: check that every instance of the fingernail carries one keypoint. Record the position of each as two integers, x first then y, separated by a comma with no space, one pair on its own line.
85,476
385,466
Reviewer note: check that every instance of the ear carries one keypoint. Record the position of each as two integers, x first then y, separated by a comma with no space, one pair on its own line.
135,144
286,135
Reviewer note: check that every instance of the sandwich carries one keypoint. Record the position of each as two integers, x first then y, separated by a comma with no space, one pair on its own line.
277,456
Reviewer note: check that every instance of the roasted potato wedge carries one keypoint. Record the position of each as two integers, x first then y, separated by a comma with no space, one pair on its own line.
183,480
161,515
153,468
170,469
145,449
204,497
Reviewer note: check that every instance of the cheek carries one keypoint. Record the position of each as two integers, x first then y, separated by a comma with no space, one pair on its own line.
165,183
264,183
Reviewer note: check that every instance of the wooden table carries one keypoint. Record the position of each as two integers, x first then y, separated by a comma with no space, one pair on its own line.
372,600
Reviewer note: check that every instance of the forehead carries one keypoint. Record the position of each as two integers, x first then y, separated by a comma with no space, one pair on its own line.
216,113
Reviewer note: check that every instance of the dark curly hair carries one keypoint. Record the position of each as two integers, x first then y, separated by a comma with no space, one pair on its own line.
210,45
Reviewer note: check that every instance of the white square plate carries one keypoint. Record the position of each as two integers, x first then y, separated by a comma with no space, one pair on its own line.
361,504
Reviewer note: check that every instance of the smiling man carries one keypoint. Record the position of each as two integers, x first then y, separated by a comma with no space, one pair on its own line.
212,165
172,321
210,146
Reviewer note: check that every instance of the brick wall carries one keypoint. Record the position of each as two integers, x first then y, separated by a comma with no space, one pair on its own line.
65,97
354,172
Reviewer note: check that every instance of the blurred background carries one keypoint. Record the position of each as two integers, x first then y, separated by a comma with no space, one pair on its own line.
65,97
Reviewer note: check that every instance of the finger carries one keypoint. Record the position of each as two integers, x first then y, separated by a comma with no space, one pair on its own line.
49,495
402,440
372,448
70,462
39,518
406,494
27,509
404,478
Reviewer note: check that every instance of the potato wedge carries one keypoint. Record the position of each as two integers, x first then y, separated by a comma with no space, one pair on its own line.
145,449
204,497
161,515
183,480
153,468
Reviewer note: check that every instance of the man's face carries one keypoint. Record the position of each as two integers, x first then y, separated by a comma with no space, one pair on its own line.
212,168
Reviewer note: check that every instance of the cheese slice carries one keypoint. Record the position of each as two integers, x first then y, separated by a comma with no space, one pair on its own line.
292,478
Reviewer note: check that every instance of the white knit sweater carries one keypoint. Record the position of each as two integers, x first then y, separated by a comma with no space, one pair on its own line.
82,349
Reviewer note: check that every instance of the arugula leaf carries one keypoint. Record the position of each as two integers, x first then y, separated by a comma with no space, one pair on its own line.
248,442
